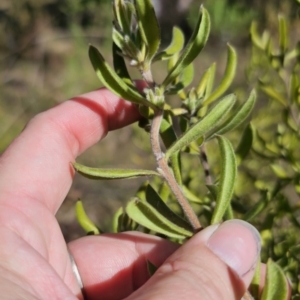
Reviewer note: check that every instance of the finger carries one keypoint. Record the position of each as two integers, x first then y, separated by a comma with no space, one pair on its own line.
217,263
37,163
114,265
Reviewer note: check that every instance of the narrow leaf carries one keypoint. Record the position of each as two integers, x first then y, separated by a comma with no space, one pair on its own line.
228,215
85,222
206,83
175,46
178,111
193,48
148,26
185,79
213,189
125,223
99,173
276,286
187,75
172,62
120,66
210,79
238,117
212,119
121,15
279,171
167,133
112,81
118,38
144,214
283,34
245,143
156,202
227,179
256,281
116,220
190,196
270,91
255,38
257,208
294,87
227,78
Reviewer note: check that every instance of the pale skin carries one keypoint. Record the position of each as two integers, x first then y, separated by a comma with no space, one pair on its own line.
35,177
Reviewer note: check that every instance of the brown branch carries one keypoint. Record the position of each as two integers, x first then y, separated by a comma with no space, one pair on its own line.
165,171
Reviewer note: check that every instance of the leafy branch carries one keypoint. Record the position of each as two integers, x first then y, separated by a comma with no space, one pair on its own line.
205,114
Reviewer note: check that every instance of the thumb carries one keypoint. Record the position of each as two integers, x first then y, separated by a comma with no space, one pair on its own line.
217,263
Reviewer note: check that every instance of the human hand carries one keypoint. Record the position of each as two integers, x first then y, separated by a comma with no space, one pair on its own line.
35,176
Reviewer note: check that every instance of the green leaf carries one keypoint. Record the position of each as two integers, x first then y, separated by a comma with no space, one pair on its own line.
227,78
255,284
276,283
120,66
118,39
167,133
99,173
245,144
272,93
294,87
227,179
257,208
185,79
175,46
213,189
148,26
193,48
187,75
283,34
127,46
279,171
121,13
116,220
156,202
228,215
171,63
255,38
206,83
212,119
84,221
144,214
113,82
260,147
190,196
238,117
178,111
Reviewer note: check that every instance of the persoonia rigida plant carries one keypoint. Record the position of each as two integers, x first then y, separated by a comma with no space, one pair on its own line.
204,116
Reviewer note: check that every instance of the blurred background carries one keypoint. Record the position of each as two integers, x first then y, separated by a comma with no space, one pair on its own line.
44,61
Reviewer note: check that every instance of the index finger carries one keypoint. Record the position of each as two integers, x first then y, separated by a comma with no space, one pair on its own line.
37,164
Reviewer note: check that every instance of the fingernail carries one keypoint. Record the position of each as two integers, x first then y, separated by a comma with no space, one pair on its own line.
238,244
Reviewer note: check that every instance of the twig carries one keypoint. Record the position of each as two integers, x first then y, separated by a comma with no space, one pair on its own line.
165,171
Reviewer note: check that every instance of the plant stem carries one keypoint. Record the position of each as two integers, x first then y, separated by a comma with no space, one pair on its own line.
165,171
147,76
